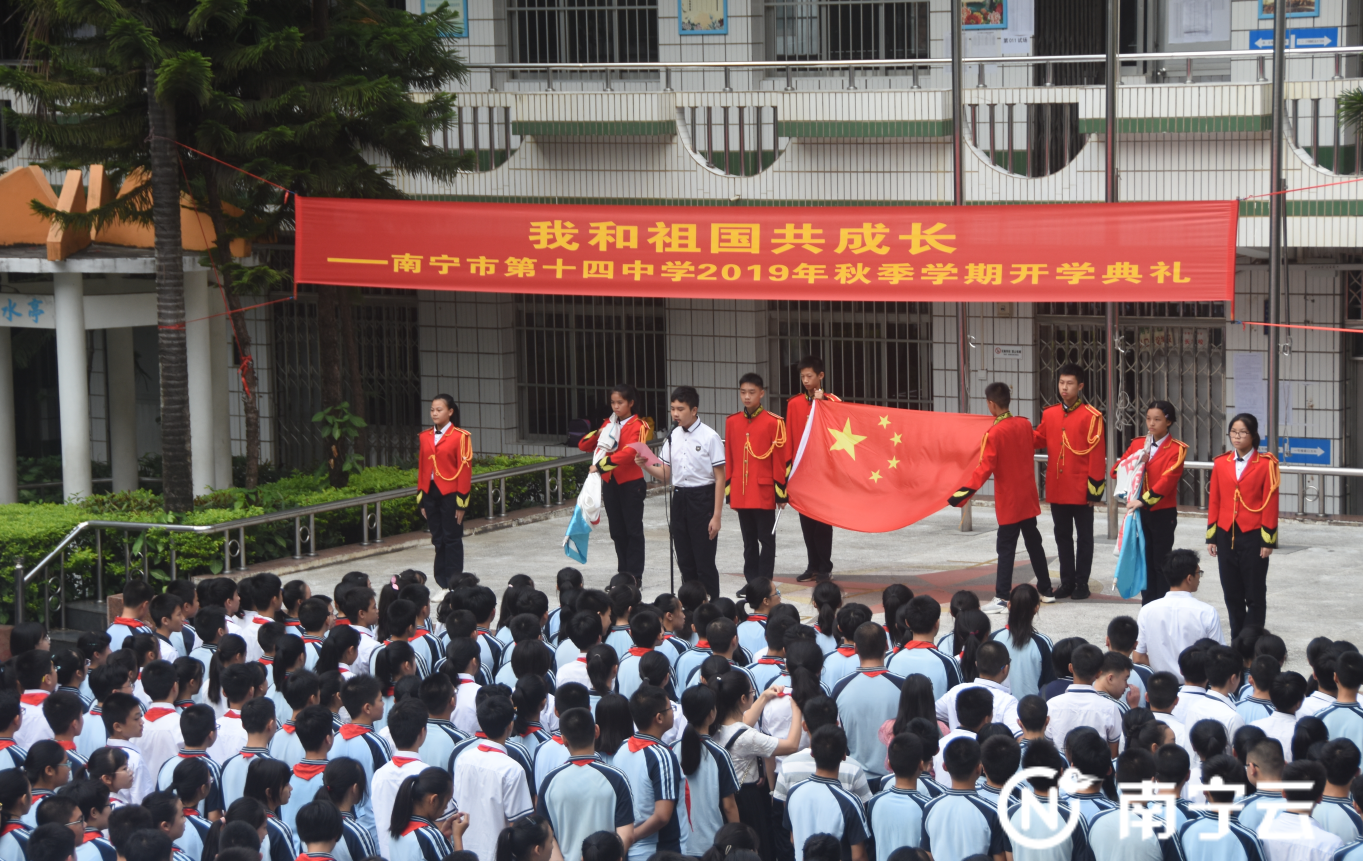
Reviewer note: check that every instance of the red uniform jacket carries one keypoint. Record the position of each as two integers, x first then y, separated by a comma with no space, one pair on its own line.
1159,485
619,466
755,456
451,462
1006,453
797,416
1076,469
1250,503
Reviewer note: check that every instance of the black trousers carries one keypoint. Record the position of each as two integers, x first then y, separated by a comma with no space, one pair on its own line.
759,545
1069,519
1158,527
447,534
1007,547
624,504
692,510
1244,578
818,544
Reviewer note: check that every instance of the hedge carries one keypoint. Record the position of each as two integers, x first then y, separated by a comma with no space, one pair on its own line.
31,531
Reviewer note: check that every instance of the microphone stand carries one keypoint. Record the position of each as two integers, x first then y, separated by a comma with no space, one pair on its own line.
671,537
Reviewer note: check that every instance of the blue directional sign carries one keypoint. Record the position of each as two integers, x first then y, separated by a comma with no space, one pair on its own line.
1297,37
1303,450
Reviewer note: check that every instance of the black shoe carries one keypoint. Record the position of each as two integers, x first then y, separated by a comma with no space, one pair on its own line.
1080,596
1065,591
742,592
810,574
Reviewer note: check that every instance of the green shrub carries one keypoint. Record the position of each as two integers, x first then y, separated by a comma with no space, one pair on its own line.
31,531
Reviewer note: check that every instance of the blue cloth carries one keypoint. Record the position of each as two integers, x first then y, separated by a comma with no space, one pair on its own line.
575,543
582,797
1131,560
1241,845
957,824
896,818
820,805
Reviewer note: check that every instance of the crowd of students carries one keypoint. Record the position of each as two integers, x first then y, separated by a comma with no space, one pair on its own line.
255,721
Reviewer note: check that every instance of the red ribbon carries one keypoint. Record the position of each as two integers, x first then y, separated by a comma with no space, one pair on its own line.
158,713
637,744
400,761
490,749
34,698
309,770
639,651
352,730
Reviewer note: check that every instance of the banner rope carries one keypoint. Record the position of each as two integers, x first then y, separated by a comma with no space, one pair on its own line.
1244,323
1305,188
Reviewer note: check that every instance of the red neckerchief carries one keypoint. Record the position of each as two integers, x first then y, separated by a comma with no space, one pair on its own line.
34,698
530,729
400,761
639,651
847,651
414,825
260,620
6,743
557,739
309,770
309,638
756,618
13,826
581,760
468,681
489,749
267,660
232,713
771,661
702,644
637,744
90,835
880,671
351,730
289,727
183,704
914,644
191,811
388,691
422,632
131,623
292,622
66,745
342,622
158,712
582,660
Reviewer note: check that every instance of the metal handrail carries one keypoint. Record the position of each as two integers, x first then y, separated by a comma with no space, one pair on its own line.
553,486
1242,53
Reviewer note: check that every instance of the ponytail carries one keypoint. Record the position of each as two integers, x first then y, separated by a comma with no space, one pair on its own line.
529,697
730,688
388,662
972,630
601,660
342,773
13,787
431,781
804,664
520,837
827,598
697,702
244,809
286,653
342,639
759,589
230,646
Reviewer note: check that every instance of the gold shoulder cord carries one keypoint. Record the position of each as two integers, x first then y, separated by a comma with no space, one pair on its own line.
465,458
779,441
1095,433
1274,480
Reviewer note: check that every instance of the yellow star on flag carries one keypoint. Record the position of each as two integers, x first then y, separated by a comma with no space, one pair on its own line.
894,463
895,440
875,476
846,440
884,421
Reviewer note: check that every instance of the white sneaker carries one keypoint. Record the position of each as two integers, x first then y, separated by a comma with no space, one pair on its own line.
1047,599
998,605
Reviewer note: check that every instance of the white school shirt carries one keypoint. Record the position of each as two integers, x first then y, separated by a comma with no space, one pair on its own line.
1081,705
490,787
34,726
697,451
161,738
384,789
232,737
465,714
938,760
250,632
574,671
144,780
1171,624
368,646
1313,705
1296,837
1218,707
1005,705
1279,725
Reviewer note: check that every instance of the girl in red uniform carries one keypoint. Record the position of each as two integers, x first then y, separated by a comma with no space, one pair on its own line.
1242,522
622,481
445,476
1158,502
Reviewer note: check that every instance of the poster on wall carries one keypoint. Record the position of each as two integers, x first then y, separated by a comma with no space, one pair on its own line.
990,14
1295,8
461,11
705,17
1199,21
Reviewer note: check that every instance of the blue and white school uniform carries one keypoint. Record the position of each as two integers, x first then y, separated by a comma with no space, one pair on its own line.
489,652
1091,805
618,638
582,797
13,756
92,734
839,664
422,841
234,773
1071,848
1344,720
165,779
1337,816
306,779
627,678
312,650
1031,668
284,844
566,652
706,788
548,757
752,634
820,805
369,749
14,841
690,662
427,650
654,774
96,848
674,647
1251,708
534,736
866,699
85,700
1105,838
285,745
31,817
552,625
203,653
356,843
441,739
896,819
192,841
765,671
1241,845
957,824
827,642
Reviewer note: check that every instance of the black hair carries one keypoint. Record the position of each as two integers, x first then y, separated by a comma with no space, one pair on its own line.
969,632
289,650
1208,738
613,717
312,614
30,667
117,708
238,827
161,806
697,702
752,378
1135,766
828,746
961,757
999,394
53,841
528,698
189,777
1180,565
1122,632
265,781
813,363
239,680
158,677
1022,606
388,662
804,665
1032,713
229,647
654,668
196,724
1040,753
915,701
1070,369
1303,771
358,692
827,600
436,691
730,688
905,753
1245,738
1251,425
684,395
645,704
1172,764
209,621
451,405
187,672
313,725
495,714
850,617
603,846
1306,733
431,781
1087,661
43,755
318,822
1232,774
59,809
91,796
341,773
601,659
61,709
1288,691
1164,407
460,654
626,392
1000,754
973,707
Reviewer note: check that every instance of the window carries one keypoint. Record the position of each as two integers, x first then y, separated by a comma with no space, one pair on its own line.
570,350
1353,295
846,30
874,352
583,31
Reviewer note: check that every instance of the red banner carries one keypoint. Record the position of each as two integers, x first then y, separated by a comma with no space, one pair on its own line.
876,469
1092,252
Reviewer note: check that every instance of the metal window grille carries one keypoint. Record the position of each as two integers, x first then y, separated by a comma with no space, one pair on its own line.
1162,356
583,31
846,30
873,352
1353,295
386,333
570,350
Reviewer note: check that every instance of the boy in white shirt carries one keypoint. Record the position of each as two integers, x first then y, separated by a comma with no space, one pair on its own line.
1223,679
1287,692
161,736
489,785
1292,835
238,686
39,680
407,726
361,612
1170,624
167,616
123,723
1082,705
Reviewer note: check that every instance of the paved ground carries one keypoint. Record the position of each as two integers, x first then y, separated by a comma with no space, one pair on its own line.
1314,579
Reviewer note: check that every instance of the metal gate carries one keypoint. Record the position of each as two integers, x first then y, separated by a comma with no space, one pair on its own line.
1166,351
874,352
386,335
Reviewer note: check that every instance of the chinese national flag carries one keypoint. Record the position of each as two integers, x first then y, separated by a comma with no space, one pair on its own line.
876,469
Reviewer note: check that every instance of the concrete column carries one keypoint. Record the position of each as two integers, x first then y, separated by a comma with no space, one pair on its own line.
199,358
73,384
122,408
221,360
9,467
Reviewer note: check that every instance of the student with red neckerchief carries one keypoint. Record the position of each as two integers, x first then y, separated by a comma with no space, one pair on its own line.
192,784
772,664
167,619
646,631
65,714
14,804
416,830
161,736
583,631
135,618
320,827
761,596
843,660
123,723
490,786
38,679
407,726
462,660
258,721
315,734
198,725
922,617
622,480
